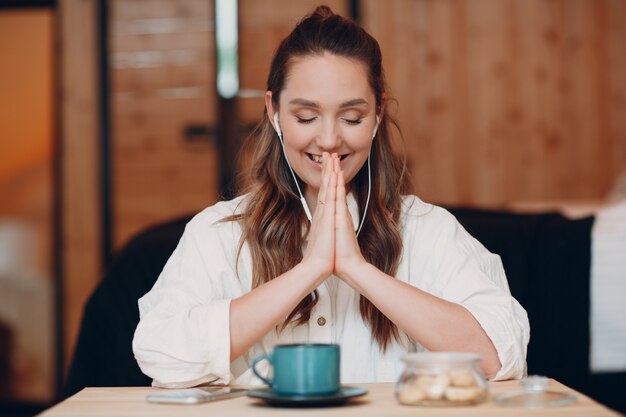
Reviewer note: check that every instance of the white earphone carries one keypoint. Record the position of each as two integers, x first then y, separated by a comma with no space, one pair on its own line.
277,126
375,127
305,206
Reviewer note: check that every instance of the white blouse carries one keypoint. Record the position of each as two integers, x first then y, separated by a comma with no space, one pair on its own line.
183,337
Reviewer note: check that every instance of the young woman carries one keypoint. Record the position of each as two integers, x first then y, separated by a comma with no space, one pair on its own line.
325,246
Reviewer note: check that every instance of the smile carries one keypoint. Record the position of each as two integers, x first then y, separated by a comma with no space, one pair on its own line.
318,158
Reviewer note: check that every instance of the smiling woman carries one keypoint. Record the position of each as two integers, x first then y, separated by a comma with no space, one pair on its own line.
373,269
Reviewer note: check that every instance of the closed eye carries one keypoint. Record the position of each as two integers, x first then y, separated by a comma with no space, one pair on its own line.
305,121
353,121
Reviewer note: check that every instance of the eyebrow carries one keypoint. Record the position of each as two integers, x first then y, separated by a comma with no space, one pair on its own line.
309,103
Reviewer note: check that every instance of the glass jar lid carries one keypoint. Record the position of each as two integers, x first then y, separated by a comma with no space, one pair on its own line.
535,394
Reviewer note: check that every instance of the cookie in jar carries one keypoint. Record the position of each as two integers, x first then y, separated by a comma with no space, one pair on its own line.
441,379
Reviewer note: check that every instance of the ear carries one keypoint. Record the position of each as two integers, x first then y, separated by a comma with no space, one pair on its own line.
269,108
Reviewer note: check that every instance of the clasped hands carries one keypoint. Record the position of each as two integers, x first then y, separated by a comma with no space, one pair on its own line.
332,244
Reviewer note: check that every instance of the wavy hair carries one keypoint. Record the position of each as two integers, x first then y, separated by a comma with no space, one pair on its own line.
273,220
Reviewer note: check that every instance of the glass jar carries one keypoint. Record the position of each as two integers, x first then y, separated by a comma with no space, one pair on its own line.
441,379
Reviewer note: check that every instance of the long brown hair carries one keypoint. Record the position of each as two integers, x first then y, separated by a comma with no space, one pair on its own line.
272,218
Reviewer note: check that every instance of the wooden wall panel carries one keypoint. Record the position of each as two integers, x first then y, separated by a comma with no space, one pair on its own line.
490,101
538,69
162,82
507,100
80,160
617,99
584,96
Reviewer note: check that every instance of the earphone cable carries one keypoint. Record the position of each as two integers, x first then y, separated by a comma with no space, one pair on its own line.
302,200
369,192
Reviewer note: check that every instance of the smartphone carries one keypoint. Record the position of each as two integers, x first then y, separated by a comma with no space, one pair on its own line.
194,395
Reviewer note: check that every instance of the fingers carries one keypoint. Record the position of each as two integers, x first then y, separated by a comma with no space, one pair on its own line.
341,184
325,178
344,218
341,207
341,192
347,251
320,251
328,183
331,191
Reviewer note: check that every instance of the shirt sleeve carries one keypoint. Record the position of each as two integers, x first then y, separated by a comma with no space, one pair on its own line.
183,336
466,273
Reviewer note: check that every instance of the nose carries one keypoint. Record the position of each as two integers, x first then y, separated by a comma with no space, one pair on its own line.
328,139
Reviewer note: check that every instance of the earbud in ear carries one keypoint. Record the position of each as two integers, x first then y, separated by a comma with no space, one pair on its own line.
277,125
375,127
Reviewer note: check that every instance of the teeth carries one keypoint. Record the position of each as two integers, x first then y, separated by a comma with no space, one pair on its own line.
318,158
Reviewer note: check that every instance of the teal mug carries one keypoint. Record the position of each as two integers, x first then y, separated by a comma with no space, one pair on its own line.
302,369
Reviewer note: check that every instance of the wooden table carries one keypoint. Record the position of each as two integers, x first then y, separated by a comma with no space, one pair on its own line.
379,402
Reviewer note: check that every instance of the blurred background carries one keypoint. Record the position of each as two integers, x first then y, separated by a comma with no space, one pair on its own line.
117,115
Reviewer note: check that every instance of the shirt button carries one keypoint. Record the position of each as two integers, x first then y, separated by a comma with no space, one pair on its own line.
321,321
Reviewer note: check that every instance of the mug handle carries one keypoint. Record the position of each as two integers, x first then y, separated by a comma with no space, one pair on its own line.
256,360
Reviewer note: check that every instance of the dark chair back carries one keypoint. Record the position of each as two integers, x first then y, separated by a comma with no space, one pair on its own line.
547,259
103,354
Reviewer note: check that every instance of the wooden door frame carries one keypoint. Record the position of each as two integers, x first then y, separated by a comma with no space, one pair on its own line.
79,133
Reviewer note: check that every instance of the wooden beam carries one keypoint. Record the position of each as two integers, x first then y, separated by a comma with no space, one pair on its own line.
80,162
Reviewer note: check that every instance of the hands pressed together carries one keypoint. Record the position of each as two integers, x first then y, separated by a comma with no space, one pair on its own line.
332,247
